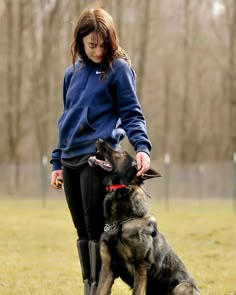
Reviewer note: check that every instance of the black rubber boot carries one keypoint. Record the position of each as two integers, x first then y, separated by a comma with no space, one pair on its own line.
83,250
95,265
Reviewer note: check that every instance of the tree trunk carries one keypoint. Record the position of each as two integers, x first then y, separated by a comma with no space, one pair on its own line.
144,39
186,65
232,83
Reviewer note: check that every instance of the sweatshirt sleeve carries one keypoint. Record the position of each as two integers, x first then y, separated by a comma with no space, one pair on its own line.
56,159
129,108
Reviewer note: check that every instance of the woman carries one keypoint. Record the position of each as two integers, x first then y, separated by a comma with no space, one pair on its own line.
99,102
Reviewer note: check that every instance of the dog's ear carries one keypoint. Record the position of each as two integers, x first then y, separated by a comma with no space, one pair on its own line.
150,173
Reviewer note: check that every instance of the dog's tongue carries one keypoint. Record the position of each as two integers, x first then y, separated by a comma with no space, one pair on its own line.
104,164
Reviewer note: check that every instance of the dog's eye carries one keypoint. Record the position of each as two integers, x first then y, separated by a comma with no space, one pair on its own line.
117,157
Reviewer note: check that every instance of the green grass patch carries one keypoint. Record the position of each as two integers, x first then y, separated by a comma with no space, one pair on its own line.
38,246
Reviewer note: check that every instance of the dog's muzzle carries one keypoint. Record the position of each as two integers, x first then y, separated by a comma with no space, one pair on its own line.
104,164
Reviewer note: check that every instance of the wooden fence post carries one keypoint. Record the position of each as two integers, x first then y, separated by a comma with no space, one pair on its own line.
167,179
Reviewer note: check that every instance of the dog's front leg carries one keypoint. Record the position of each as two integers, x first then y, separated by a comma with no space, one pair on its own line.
140,280
106,278
106,281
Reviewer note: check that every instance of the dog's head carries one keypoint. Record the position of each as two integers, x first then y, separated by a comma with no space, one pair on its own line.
119,167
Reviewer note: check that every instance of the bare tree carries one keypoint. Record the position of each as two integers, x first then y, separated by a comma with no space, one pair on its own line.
120,12
144,39
44,71
232,77
14,78
223,25
186,80
10,95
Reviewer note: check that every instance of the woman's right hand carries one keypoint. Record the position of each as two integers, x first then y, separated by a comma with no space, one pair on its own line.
56,174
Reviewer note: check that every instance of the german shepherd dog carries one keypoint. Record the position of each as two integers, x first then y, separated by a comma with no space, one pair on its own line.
131,246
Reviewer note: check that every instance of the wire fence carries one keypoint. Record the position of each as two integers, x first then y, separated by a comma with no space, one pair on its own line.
202,181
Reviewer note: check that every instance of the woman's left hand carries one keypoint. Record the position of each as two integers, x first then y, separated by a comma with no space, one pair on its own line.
143,162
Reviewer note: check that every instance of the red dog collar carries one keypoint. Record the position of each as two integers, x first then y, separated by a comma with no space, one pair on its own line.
114,187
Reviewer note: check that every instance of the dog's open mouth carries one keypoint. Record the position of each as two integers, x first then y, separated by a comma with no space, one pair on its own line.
104,164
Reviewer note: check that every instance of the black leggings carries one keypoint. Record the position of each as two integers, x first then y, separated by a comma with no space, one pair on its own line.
85,194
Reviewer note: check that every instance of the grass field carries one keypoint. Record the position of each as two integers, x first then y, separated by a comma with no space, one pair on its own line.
38,246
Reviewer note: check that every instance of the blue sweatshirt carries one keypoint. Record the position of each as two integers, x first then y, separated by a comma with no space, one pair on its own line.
95,108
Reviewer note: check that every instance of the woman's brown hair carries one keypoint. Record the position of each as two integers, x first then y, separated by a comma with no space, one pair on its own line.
100,22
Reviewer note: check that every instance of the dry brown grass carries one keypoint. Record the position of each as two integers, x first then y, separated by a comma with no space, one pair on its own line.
38,246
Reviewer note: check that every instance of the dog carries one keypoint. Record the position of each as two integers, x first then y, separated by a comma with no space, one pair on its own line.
131,245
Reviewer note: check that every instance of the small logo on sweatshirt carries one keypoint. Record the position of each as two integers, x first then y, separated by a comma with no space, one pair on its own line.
99,72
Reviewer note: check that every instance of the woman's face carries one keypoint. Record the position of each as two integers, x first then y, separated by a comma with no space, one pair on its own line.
94,47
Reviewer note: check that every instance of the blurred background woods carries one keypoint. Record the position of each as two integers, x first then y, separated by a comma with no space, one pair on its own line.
183,53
